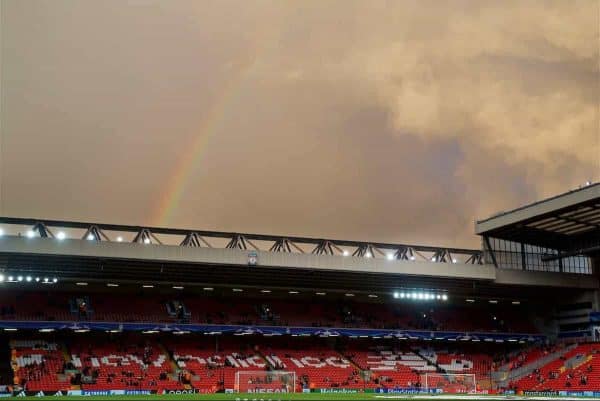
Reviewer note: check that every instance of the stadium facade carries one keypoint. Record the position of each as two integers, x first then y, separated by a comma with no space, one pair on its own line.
190,310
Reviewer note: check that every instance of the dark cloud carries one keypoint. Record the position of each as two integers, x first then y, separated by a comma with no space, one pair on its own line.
381,120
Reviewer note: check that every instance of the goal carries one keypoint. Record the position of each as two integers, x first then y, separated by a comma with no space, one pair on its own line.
453,383
263,381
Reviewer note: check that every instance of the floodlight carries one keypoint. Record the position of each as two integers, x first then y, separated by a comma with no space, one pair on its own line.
60,235
30,234
390,256
444,297
119,239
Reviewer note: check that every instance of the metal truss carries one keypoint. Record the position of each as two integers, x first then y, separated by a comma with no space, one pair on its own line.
240,241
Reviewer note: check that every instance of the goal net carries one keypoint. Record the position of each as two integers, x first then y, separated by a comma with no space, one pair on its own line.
453,383
265,381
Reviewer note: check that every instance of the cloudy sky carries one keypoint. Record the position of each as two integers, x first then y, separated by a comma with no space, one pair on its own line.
370,120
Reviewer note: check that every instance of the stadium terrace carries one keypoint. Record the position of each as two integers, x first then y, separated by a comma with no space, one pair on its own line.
96,309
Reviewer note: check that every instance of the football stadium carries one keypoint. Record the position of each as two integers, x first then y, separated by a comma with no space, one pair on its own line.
98,309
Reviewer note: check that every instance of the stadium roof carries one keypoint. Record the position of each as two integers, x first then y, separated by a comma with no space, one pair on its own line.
569,222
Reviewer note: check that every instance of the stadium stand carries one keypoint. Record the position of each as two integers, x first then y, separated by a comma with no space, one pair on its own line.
38,365
137,308
131,363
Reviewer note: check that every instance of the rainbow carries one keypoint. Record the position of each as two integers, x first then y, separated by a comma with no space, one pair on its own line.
178,182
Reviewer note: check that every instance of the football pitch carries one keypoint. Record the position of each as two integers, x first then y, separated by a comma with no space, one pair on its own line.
324,397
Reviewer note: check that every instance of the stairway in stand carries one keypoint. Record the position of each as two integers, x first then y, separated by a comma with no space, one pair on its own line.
6,371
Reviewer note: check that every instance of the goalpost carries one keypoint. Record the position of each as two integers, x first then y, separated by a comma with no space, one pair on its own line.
263,381
453,383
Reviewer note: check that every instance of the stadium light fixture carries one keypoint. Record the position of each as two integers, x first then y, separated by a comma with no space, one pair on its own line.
46,280
470,300
37,279
321,293
1,278
454,260
146,241
90,237
1,232
390,256
237,290
444,297
208,288
55,280
28,279
11,278
420,295
396,295
60,235
46,330
368,255
19,278
265,291
438,296
349,294
178,287
493,301
112,285
10,329
294,292
345,253
373,296
433,259
147,286
30,234
81,283
119,239
516,302
81,330
402,295
412,258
